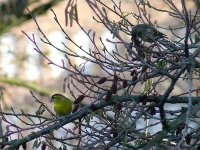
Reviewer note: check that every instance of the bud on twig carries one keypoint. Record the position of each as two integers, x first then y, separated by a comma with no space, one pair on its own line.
79,99
102,80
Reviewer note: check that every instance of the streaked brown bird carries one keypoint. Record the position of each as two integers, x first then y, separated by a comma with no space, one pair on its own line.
146,33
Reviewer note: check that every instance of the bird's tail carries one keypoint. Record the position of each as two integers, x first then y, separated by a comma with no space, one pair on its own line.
170,45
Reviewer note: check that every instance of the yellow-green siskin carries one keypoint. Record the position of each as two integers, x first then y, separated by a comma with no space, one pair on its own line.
62,105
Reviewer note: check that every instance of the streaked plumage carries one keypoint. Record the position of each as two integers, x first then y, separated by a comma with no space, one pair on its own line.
146,33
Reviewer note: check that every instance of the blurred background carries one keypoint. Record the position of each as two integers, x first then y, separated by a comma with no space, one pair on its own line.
18,59
20,62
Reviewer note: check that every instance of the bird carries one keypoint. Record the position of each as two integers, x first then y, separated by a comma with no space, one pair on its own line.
146,33
62,105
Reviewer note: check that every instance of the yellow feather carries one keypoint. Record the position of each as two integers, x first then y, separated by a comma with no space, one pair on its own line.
62,105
